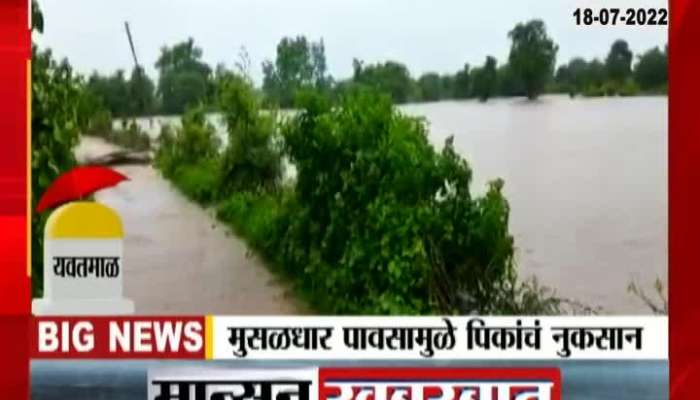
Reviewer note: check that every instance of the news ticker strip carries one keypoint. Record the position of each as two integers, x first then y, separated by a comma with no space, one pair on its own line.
352,338
354,384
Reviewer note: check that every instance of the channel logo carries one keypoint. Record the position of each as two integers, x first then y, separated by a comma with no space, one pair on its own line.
83,247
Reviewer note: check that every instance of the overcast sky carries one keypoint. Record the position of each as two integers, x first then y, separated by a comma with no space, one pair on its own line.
426,35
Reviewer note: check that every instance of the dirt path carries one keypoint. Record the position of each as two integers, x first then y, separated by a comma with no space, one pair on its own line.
178,259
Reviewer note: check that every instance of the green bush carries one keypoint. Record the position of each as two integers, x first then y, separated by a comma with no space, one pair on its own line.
198,181
131,138
196,139
381,222
165,154
253,216
629,88
195,144
100,124
252,160
594,91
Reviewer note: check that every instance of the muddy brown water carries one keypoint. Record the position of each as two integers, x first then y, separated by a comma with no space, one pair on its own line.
587,183
586,180
177,258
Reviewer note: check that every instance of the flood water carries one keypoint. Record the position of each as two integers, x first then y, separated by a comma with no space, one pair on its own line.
586,180
587,184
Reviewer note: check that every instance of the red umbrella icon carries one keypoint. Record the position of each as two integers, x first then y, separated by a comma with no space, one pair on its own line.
77,183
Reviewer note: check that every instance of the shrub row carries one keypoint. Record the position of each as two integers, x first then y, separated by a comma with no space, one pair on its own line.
376,220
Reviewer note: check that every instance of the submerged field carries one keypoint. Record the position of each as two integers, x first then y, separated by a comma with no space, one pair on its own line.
586,180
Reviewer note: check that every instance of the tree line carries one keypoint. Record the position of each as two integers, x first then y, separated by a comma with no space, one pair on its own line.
184,79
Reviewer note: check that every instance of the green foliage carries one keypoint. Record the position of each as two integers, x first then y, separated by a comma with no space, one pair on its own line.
100,124
377,221
123,97
614,77
252,159
300,64
532,56
381,222
618,64
508,84
651,71
131,138
529,298
463,83
580,76
112,92
254,215
391,78
194,142
56,96
37,18
199,180
166,152
431,86
629,88
485,79
197,139
141,90
594,91
184,78
595,78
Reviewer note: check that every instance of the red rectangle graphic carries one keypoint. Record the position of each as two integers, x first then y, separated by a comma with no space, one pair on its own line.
439,383
119,337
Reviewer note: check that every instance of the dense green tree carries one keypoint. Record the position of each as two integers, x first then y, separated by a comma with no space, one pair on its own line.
485,79
532,56
113,92
508,83
430,86
391,77
252,158
595,72
379,194
580,75
184,78
123,97
462,83
651,71
299,64
447,83
618,64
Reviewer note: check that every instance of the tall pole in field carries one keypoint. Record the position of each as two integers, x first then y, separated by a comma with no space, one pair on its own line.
131,43
139,74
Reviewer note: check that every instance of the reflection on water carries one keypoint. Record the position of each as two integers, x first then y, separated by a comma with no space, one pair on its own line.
586,180
126,380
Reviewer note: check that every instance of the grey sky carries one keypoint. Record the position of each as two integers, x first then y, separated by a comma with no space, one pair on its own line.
426,35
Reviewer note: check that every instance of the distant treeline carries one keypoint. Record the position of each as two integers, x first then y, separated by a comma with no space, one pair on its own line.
184,79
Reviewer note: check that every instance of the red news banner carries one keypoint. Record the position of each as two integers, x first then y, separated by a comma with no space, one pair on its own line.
352,338
119,337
